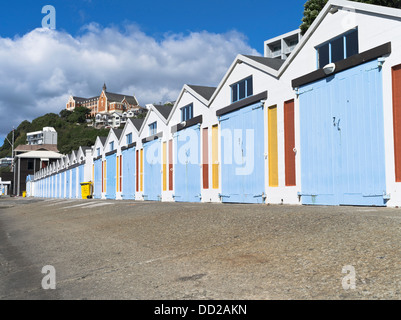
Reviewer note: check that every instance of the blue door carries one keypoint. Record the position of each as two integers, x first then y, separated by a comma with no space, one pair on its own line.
97,192
342,139
111,168
187,169
128,173
74,183
62,184
242,155
57,185
152,172
81,177
67,183
52,186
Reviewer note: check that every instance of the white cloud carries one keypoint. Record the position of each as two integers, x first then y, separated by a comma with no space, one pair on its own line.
39,70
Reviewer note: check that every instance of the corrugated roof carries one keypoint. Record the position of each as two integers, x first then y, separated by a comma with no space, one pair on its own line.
269,62
41,154
205,92
164,110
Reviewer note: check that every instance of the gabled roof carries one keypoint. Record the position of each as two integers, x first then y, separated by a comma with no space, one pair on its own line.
79,99
118,133
201,93
268,62
264,64
116,97
137,123
277,68
338,4
164,110
205,92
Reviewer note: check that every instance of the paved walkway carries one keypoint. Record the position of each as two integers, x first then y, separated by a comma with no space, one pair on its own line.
104,249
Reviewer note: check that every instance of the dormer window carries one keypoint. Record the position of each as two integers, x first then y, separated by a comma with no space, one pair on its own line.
153,128
187,112
129,138
339,48
242,89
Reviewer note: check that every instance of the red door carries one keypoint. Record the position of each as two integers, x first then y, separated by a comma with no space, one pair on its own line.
289,142
397,120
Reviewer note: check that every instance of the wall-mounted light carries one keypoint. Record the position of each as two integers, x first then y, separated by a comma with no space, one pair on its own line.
329,68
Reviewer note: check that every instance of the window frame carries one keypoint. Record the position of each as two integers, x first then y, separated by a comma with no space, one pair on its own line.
129,138
152,128
187,112
331,41
236,87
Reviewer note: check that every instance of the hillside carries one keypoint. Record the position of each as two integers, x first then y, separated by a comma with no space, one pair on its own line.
72,131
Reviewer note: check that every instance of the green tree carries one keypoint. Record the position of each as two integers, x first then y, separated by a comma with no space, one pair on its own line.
312,9
64,114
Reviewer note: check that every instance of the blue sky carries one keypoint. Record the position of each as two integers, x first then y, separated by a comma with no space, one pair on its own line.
259,20
147,48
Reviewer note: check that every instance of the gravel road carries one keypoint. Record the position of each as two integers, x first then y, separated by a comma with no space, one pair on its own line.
105,249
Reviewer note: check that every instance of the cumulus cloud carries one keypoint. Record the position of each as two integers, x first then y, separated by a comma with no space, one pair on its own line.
41,69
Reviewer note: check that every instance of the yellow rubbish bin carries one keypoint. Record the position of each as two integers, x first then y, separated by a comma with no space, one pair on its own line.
24,194
86,190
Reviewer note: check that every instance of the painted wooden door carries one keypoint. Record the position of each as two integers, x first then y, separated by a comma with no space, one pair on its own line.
272,146
111,176
128,182
97,192
342,139
242,155
68,184
396,86
62,185
187,168
289,143
152,170
74,183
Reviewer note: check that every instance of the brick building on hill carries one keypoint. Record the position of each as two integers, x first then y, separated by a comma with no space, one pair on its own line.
106,103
